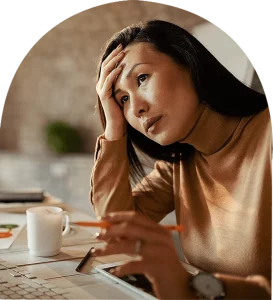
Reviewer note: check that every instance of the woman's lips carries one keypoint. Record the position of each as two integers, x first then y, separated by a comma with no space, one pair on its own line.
148,124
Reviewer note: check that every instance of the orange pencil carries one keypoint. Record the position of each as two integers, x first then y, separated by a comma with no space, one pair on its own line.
101,224
174,227
105,224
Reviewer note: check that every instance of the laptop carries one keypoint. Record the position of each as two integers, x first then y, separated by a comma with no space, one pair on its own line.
59,280
87,278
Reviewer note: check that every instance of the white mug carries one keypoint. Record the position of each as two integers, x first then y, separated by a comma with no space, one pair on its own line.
44,230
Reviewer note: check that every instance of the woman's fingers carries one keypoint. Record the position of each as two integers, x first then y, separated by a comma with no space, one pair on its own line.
132,217
133,231
129,247
133,225
113,54
106,91
113,62
108,68
146,251
116,124
132,267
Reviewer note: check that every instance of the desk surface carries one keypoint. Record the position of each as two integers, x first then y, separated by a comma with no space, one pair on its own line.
75,247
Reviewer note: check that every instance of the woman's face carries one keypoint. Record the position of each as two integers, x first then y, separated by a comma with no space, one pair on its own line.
157,95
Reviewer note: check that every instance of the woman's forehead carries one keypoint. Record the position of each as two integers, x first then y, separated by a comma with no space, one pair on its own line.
140,50
144,53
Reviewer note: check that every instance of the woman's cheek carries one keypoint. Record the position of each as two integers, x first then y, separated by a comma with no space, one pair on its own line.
130,118
127,116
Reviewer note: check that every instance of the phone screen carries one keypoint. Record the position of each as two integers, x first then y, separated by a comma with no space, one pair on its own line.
137,281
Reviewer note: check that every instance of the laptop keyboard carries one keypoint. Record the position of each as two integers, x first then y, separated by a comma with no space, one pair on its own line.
18,283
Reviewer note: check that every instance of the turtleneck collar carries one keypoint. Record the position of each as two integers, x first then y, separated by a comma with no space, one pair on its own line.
212,131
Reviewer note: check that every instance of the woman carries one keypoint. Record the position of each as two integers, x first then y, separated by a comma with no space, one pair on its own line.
161,91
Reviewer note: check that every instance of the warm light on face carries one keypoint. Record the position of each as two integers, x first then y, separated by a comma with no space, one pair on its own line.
157,94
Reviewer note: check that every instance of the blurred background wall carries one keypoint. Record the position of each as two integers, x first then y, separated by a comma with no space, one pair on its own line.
56,81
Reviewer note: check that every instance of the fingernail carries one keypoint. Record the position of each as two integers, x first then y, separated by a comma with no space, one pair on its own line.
100,235
99,218
112,271
96,252
119,46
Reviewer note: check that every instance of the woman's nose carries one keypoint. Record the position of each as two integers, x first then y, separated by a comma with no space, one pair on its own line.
139,106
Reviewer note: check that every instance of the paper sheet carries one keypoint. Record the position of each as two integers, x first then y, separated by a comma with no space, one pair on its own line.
10,226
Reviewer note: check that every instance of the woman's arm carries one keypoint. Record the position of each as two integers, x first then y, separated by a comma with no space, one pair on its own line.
251,287
111,189
159,262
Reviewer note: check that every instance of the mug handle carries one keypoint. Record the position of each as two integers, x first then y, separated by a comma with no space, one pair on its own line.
67,221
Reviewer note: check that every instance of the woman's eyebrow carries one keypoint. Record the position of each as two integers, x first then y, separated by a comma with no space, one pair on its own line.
132,69
128,75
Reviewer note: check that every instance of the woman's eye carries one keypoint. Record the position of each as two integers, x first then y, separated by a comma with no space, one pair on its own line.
124,99
141,78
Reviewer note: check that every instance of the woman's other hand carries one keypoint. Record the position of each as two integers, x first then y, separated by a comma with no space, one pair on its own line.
158,259
110,70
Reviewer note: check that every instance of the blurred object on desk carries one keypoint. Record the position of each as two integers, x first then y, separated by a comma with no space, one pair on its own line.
21,195
22,206
10,227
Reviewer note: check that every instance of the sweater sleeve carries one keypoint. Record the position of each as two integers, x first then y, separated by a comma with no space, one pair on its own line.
111,189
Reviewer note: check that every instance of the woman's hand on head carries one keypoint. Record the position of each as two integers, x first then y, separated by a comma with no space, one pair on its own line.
115,120
158,259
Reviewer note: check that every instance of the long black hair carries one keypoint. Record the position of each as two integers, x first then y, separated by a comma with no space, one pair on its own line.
216,87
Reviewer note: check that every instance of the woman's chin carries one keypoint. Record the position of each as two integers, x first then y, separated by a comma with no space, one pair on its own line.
163,140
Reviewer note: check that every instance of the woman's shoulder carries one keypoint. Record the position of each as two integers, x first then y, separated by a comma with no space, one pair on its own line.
256,125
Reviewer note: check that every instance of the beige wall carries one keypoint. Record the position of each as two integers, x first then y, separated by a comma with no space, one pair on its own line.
56,80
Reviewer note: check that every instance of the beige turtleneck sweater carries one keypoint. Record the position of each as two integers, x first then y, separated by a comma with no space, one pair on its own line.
222,194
